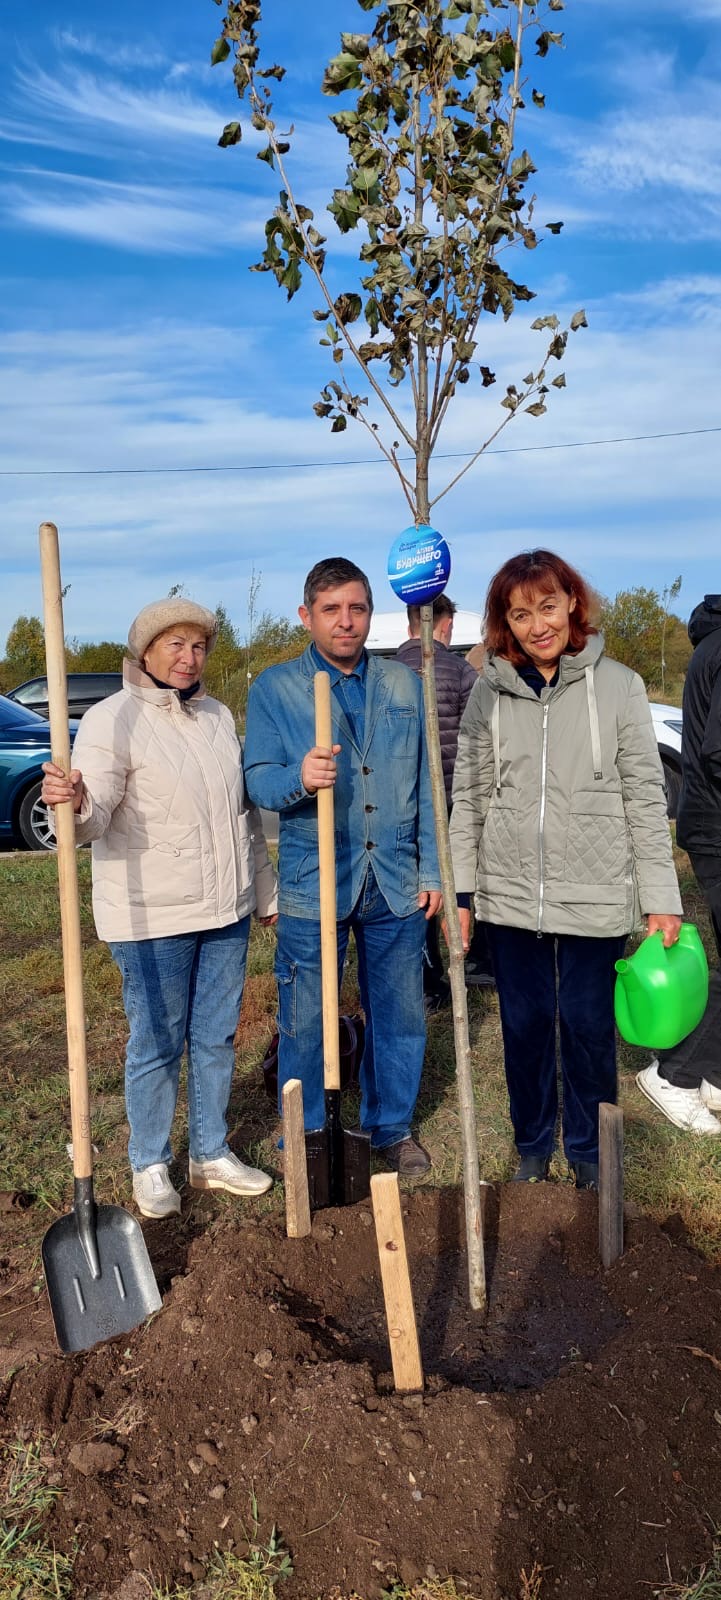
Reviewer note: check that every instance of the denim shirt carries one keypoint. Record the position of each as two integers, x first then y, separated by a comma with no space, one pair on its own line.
383,807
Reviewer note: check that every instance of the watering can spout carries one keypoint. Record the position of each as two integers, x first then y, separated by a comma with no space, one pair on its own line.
661,993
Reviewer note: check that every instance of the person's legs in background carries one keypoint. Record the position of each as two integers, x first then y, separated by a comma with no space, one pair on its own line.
478,965
685,1083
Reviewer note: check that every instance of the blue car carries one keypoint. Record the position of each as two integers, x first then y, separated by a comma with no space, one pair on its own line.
24,746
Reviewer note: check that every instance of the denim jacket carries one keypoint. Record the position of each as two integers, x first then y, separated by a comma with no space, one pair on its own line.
382,795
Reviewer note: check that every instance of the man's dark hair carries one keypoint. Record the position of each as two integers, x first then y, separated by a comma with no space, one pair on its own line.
331,574
442,607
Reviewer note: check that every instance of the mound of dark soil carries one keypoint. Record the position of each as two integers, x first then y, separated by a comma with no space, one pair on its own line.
578,1426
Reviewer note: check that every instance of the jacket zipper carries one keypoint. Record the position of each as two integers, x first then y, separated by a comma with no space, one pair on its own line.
542,817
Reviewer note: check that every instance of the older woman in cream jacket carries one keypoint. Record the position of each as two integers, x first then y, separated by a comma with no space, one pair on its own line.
179,865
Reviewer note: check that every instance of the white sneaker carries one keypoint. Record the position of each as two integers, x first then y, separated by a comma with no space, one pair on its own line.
228,1173
153,1192
683,1107
710,1094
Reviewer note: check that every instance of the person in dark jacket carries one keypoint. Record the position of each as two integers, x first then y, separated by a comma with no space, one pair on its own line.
685,1083
454,680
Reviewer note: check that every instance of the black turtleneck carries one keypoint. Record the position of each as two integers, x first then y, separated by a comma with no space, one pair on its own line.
183,694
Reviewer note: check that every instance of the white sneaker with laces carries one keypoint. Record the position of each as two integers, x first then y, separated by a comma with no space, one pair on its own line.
228,1173
710,1094
153,1192
683,1107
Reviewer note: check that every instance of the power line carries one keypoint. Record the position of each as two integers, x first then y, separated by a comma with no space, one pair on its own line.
359,461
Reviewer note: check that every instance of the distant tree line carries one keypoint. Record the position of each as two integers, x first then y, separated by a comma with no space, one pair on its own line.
231,668
638,625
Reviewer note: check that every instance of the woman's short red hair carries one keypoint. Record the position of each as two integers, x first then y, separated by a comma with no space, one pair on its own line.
530,571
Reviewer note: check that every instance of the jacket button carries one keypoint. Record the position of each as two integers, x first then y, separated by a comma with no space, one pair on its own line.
370,845
366,771
369,808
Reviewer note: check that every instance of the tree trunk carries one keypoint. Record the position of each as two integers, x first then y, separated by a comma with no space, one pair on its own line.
471,1176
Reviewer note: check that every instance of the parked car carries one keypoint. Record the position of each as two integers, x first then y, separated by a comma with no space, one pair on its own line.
668,723
24,746
85,689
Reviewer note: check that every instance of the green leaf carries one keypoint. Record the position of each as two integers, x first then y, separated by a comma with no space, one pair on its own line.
578,320
322,408
559,382
219,52
340,423
266,155
321,316
342,73
487,377
537,410
232,134
554,227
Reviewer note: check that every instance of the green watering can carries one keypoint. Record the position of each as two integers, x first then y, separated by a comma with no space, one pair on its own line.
661,994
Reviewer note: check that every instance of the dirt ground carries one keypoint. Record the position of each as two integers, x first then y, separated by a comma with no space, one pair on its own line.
578,1427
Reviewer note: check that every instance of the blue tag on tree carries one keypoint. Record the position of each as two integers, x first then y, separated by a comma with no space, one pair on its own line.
419,566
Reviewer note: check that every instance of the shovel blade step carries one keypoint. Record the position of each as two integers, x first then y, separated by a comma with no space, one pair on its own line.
88,1309
339,1167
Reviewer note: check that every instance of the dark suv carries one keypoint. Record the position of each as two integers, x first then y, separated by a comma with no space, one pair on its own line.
85,689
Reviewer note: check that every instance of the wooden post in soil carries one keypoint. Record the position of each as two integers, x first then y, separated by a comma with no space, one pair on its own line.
610,1183
471,1175
395,1277
295,1168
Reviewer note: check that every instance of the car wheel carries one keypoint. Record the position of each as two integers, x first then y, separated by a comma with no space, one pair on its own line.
672,780
36,822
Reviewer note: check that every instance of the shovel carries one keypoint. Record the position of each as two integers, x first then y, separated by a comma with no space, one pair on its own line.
97,1269
338,1161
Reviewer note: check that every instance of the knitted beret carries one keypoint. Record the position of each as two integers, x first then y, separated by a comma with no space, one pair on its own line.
163,614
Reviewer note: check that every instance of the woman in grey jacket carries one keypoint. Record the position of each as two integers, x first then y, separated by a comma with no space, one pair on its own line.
559,828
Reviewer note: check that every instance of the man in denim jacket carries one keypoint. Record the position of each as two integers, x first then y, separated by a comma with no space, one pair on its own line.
388,882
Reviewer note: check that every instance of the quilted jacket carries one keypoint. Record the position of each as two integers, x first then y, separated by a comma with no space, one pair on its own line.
175,849
454,681
559,815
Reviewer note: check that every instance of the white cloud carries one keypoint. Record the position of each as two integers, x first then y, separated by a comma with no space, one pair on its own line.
76,95
134,217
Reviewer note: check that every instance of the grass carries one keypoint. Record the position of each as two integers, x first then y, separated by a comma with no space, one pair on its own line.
707,1586
29,1568
665,1171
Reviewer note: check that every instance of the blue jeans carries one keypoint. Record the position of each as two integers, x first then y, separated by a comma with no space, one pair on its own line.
184,989
533,975
390,974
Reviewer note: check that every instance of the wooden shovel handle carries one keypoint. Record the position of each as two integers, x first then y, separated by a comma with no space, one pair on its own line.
67,862
326,867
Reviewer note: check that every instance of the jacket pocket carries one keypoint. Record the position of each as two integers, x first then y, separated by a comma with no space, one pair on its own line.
162,871
499,854
246,864
597,849
401,732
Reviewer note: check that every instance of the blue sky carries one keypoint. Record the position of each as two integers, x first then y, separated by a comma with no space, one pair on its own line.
134,337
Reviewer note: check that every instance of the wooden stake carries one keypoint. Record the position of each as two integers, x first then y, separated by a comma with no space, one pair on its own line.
297,1204
395,1277
610,1183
